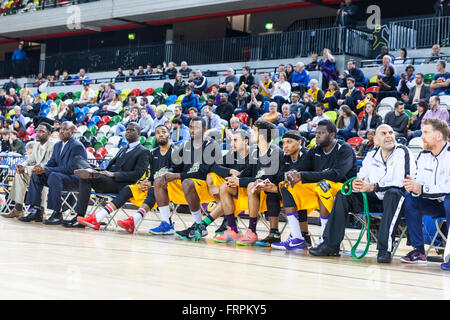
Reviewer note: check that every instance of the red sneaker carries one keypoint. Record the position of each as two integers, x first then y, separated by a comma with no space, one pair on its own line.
89,221
127,224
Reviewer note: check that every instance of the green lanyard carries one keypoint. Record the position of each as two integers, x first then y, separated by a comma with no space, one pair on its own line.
366,219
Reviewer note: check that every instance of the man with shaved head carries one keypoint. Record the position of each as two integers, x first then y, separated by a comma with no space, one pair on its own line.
381,178
57,175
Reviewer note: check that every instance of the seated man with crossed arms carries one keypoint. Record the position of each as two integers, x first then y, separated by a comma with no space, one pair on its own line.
381,178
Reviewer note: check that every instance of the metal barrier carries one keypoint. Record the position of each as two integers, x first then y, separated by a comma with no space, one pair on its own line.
256,47
413,60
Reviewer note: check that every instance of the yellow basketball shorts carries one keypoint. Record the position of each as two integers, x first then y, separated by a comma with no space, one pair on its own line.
306,195
140,196
176,194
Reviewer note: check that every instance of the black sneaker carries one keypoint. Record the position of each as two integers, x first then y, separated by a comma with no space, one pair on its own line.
324,251
271,238
384,257
193,233
223,227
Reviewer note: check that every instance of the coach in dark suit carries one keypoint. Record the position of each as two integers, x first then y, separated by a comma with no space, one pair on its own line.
57,175
126,168
414,96
350,96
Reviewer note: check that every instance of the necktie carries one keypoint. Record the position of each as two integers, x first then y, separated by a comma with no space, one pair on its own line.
209,123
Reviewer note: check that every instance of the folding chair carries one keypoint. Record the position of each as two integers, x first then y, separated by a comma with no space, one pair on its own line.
65,201
439,221
98,199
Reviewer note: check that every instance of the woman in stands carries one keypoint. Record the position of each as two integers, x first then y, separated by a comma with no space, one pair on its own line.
70,115
332,96
370,120
387,84
179,86
281,90
247,80
327,65
101,92
415,127
402,60
21,132
171,71
289,72
53,114
286,120
347,123
241,101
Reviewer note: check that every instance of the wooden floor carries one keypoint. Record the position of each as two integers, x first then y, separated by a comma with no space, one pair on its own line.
51,262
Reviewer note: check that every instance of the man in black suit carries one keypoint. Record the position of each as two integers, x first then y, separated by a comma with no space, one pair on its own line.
419,92
127,167
57,175
351,95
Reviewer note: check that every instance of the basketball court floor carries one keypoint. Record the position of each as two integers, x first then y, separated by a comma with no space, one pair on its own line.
52,262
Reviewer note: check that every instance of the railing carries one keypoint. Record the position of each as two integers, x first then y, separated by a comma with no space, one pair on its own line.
21,7
256,47
413,61
419,33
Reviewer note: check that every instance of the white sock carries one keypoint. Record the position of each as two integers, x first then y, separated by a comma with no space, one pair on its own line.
294,225
165,213
323,224
139,216
99,216
197,215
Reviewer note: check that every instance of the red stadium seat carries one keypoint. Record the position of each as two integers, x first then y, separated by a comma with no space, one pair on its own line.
52,96
243,117
148,92
91,150
135,92
360,115
373,90
362,90
106,119
355,142
101,153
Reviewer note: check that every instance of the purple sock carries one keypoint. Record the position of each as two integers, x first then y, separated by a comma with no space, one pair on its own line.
252,224
231,221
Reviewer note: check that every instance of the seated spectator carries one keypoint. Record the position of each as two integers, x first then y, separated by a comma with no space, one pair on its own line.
18,116
272,115
121,77
387,61
407,80
327,66
53,114
370,120
436,111
213,121
113,108
180,131
246,80
309,103
2,100
384,52
312,124
347,123
26,100
300,111
214,92
265,87
436,54
159,69
184,70
193,112
21,133
281,90
441,81
160,119
190,80
254,105
241,100
387,84
133,116
101,92
209,102
178,113
331,97
5,138
145,122
230,78
69,114
402,60
200,83
62,108
225,109
314,64
428,187
144,104
80,78
276,74
57,77
289,70
140,75
190,100
397,119
350,96
16,144
10,84
314,91
232,94
286,120
41,80
171,71
179,86
352,72
419,92
300,79
414,129
66,78
131,75
108,95
367,145
87,96
11,99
